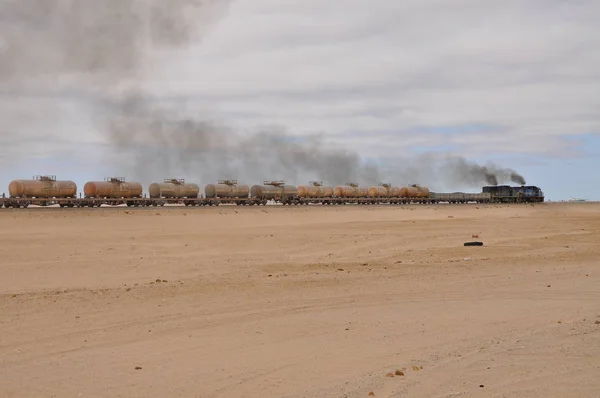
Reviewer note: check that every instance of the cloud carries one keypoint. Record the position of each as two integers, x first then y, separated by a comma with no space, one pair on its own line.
381,78
522,68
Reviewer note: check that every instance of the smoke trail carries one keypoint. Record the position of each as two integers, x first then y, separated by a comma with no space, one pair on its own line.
463,171
496,174
95,41
518,178
57,56
155,142
161,142
442,172
99,46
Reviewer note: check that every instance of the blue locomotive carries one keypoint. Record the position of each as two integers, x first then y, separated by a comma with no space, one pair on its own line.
508,194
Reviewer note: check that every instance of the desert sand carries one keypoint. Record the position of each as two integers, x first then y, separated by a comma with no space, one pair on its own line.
301,302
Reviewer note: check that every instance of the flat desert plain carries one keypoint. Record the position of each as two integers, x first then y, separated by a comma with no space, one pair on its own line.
311,301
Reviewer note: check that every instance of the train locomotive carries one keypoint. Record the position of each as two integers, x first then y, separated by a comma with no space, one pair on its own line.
46,190
508,194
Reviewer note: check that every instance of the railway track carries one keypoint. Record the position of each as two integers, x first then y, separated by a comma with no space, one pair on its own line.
22,203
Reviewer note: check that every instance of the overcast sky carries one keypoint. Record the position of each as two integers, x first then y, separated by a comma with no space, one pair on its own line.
513,82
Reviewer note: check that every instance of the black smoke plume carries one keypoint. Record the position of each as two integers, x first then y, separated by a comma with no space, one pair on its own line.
473,173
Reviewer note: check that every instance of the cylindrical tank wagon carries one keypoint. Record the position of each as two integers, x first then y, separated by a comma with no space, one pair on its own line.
315,189
113,188
422,192
173,188
408,192
385,193
414,191
394,192
381,191
274,190
229,189
350,190
42,187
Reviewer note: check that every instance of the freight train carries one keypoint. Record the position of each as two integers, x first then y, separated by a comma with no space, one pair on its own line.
46,191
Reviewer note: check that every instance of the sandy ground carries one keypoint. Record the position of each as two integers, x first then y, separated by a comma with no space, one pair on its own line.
301,302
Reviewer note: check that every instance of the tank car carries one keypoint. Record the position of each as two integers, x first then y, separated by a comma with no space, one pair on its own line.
274,190
113,188
414,191
42,187
422,192
227,189
408,192
173,188
315,189
377,192
350,190
394,192
383,191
